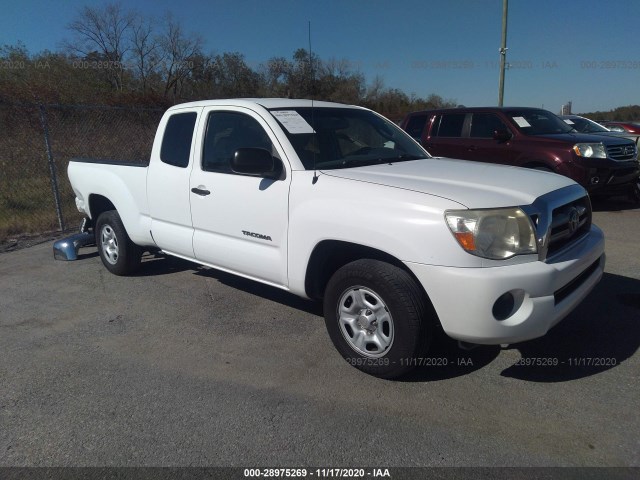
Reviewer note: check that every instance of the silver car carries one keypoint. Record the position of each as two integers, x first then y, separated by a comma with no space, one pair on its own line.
585,125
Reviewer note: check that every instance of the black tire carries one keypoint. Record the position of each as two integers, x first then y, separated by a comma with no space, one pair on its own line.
118,253
635,192
404,316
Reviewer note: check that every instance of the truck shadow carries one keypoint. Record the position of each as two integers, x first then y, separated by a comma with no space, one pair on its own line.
86,255
600,334
261,290
155,264
445,360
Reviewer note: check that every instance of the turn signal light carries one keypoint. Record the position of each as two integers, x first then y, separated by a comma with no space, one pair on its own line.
466,240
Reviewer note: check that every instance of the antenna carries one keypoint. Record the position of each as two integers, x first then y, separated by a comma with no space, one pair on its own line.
313,123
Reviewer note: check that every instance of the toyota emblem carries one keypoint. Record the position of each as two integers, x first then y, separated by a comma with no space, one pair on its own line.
574,221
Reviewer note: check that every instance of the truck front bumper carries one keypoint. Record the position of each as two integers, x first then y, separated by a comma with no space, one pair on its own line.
510,304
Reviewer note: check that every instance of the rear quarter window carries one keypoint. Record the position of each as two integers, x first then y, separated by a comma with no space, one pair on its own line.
176,142
415,126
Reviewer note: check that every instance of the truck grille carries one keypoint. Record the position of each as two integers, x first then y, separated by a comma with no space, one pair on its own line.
621,153
568,223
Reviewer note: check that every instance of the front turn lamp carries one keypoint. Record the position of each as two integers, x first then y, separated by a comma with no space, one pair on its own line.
493,233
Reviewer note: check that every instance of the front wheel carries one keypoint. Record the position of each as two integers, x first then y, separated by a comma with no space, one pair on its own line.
635,192
377,317
118,253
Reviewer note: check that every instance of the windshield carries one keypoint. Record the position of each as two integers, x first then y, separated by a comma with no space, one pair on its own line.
584,125
345,137
538,122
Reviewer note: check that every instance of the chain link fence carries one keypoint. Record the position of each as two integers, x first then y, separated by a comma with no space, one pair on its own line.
36,144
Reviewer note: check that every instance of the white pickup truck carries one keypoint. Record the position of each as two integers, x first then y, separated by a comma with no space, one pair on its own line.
334,202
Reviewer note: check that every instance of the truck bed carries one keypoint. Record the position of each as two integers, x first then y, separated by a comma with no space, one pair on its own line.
124,184
123,163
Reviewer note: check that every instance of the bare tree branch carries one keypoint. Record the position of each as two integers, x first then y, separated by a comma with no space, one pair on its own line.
178,54
103,30
144,48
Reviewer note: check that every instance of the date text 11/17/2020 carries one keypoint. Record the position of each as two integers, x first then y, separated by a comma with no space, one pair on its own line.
468,362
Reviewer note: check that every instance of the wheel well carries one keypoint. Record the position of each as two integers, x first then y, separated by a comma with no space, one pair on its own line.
330,255
99,204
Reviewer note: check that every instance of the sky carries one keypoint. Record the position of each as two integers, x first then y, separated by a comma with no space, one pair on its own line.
583,51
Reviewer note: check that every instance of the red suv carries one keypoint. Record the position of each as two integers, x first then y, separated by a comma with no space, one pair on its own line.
529,137
629,127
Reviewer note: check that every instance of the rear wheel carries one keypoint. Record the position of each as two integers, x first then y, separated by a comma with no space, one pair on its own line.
118,253
377,317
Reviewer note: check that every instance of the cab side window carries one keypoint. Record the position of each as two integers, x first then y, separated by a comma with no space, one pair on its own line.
450,125
176,142
226,132
484,124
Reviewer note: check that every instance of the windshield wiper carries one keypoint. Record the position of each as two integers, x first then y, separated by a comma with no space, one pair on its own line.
404,158
362,162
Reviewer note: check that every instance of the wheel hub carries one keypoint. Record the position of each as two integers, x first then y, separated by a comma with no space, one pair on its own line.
367,320
109,243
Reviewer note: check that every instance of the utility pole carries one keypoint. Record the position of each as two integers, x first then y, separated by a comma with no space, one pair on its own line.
503,51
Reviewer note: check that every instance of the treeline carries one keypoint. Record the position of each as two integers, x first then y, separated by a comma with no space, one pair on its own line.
118,56
629,113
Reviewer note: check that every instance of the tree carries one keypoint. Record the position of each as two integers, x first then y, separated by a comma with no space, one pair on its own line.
276,74
178,52
336,82
374,90
304,69
233,77
145,50
103,32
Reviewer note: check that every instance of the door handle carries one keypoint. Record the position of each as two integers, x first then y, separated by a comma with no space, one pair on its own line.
201,192
472,148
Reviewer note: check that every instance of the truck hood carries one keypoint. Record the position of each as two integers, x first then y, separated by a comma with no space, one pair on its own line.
472,184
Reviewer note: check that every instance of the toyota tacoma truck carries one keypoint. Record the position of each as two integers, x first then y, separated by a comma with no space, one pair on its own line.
335,202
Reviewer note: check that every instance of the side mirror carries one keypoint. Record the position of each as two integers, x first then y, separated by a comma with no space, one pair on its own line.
256,162
502,135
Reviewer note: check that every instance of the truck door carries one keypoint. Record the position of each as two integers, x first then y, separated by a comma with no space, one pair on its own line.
481,146
444,139
240,222
168,182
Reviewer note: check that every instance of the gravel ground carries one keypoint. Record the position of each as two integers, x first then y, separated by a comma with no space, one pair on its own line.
188,366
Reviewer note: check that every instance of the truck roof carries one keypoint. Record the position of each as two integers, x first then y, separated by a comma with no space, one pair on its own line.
474,109
267,103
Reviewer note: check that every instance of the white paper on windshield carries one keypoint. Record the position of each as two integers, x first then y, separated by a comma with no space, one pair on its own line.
566,120
292,121
521,122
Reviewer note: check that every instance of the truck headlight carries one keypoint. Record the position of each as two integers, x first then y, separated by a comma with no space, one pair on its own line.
590,150
494,233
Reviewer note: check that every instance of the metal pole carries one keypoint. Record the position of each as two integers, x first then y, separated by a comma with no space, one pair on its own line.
503,51
52,167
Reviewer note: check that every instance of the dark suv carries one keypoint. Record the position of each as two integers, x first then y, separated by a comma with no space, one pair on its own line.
529,137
